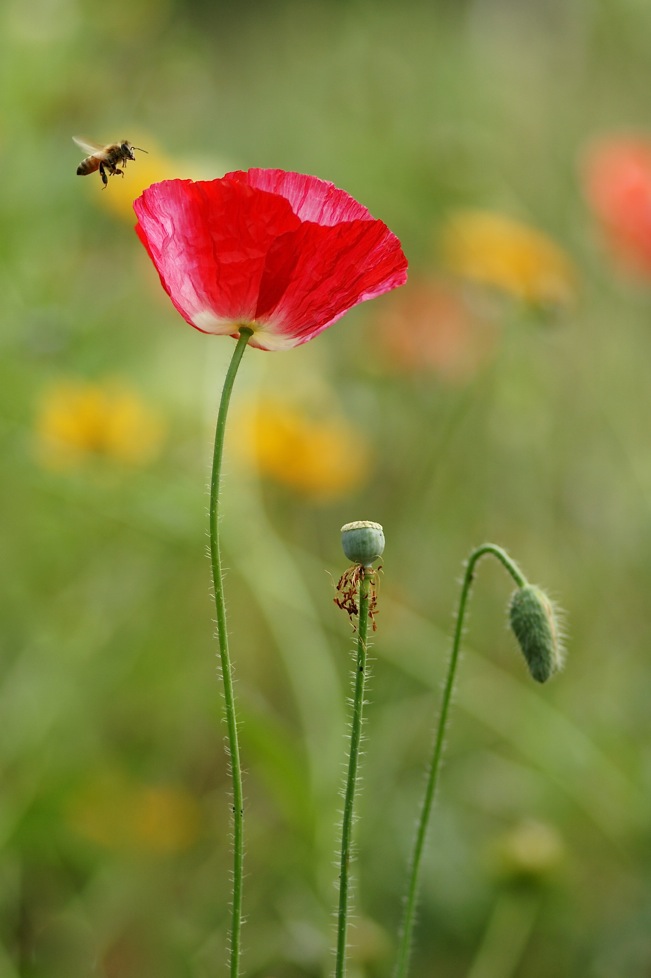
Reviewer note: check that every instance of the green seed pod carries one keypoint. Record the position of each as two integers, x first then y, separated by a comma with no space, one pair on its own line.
534,622
362,541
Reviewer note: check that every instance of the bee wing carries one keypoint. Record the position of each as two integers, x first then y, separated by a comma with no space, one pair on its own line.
88,147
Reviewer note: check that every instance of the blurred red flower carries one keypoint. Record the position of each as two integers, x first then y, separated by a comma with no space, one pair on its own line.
617,185
282,253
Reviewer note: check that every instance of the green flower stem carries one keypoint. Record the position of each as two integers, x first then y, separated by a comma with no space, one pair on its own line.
404,948
351,780
226,668
507,935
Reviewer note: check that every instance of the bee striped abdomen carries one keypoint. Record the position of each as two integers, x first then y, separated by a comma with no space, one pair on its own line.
89,165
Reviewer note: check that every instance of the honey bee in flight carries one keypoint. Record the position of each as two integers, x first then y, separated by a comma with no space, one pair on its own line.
105,158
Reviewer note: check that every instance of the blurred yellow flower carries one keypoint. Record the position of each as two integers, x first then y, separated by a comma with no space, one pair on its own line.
124,815
78,419
530,852
496,250
321,458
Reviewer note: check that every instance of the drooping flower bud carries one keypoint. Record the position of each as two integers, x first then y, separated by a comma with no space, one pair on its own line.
362,541
534,622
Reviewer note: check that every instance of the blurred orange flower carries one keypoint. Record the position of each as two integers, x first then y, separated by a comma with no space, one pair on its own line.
428,327
321,458
617,184
495,250
124,815
78,419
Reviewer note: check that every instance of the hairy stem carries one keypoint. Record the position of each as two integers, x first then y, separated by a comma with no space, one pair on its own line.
404,948
225,661
351,779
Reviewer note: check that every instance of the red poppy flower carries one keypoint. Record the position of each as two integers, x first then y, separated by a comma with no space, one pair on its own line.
617,184
282,253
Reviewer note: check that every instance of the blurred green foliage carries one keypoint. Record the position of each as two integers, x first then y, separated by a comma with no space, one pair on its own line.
114,814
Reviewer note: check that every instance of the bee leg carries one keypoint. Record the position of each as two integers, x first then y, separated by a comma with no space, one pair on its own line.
102,173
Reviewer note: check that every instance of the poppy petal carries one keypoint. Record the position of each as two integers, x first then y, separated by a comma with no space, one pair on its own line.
209,241
314,275
311,198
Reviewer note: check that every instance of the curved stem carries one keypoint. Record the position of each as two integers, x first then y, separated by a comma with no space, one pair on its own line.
233,749
351,780
404,948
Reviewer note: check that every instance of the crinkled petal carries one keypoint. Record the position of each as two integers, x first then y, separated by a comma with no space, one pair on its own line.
311,198
316,274
209,242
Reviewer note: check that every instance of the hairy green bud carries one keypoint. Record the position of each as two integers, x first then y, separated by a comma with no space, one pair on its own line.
362,541
534,622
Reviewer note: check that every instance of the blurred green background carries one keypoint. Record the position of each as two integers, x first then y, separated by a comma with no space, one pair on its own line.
523,427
